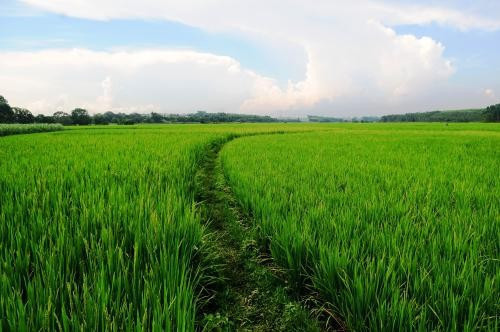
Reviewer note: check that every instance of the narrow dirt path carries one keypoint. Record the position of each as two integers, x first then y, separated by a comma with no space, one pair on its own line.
250,295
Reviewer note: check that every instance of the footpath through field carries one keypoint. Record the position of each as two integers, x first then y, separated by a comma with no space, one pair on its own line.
251,293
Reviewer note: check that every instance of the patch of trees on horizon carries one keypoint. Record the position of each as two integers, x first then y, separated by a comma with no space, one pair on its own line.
80,116
489,114
198,117
328,119
322,119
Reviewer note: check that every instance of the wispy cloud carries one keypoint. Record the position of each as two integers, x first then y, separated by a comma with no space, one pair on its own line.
230,14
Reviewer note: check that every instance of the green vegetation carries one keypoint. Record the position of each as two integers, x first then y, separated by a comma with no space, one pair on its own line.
6,112
492,113
80,116
324,119
317,118
99,228
247,294
379,226
472,115
395,226
13,129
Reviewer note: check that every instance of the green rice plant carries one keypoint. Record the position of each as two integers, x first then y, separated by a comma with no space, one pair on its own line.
13,129
99,229
396,226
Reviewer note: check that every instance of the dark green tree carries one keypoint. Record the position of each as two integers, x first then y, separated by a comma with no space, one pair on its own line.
157,118
6,113
40,118
492,113
23,115
81,117
101,119
62,118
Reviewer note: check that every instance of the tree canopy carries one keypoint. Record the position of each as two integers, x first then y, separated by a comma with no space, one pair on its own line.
81,117
62,118
471,115
6,113
492,113
22,115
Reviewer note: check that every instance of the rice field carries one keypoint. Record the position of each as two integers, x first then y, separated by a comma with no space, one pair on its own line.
98,227
14,129
396,227
98,230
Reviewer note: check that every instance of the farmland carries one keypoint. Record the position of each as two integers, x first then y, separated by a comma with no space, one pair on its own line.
397,228
387,226
98,227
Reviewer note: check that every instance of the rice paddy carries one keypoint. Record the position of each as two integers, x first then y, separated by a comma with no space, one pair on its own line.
394,227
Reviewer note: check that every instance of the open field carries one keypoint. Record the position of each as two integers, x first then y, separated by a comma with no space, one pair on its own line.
98,226
390,226
397,227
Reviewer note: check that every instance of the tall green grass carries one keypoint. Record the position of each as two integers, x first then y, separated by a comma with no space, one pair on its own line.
396,226
14,129
99,229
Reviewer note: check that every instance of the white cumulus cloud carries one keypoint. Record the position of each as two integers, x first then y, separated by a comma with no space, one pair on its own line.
141,81
354,57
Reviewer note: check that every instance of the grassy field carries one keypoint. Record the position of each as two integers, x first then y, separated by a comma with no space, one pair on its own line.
98,227
15,129
396,226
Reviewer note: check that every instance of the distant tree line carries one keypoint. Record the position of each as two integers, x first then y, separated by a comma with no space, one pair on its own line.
317,118
205,117
365,119
490,114
80,116
9,114
198,117
325,119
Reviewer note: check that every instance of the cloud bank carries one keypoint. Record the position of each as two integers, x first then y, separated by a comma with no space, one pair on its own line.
133,81
354,57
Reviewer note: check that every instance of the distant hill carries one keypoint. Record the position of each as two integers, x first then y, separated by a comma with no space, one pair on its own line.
467,115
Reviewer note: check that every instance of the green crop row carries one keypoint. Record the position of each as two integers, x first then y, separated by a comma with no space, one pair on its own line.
396,227
13,129
99,229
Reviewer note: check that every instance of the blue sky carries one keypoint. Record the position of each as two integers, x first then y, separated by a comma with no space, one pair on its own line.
45,31
475,52
24,28
288,64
